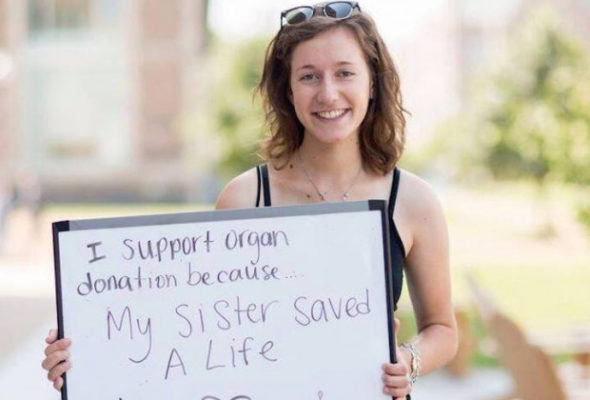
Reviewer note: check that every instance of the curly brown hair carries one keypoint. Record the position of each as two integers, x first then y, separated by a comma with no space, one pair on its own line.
382,132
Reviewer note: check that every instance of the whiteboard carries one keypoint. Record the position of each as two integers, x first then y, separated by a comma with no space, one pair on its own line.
283,302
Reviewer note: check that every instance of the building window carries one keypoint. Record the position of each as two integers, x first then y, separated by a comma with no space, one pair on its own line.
49,16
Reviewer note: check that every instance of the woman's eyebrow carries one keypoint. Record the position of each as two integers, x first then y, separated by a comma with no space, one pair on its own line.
311,66
306,66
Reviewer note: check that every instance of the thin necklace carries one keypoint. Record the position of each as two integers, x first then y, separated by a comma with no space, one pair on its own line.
322,195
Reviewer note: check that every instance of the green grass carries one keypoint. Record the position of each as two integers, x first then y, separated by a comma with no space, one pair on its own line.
539,277
540,297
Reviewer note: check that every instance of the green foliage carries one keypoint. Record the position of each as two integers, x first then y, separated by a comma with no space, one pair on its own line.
235,117
454,149
584,214
530,116
534,116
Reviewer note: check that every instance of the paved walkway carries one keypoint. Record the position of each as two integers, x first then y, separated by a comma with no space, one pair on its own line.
21,376
27,311
480,384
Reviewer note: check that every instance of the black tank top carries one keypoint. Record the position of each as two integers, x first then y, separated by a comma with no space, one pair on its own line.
396,245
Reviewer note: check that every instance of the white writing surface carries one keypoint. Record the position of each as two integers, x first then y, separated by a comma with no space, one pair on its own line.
291,307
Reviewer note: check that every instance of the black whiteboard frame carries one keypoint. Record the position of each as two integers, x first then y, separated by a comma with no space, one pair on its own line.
225,215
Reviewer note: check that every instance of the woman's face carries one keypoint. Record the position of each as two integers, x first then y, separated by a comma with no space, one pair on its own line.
330,85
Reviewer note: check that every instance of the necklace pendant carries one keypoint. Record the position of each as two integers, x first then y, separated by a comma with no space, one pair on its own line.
345,196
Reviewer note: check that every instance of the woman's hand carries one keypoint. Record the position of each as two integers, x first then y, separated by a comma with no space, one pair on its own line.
396,377
56,360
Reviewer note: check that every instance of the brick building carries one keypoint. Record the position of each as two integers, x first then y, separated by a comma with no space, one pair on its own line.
93,92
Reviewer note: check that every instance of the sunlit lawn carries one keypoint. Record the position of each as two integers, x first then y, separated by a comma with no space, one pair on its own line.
528,253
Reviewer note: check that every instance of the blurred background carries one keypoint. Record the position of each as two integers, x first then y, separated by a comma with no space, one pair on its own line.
119,107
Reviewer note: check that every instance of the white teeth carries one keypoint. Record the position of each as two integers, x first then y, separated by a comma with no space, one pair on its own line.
331,114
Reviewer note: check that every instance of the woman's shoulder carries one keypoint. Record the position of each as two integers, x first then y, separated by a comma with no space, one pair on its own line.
417,199
240,192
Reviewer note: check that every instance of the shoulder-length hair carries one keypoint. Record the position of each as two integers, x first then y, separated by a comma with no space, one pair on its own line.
381,134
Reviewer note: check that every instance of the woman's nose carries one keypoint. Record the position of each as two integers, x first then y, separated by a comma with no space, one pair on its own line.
327,92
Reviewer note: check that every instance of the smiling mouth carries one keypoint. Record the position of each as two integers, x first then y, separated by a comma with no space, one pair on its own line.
332,114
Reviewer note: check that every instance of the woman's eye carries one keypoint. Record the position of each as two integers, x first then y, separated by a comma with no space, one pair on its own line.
309,77
345,74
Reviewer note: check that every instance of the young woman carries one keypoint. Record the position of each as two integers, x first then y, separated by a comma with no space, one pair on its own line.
332,99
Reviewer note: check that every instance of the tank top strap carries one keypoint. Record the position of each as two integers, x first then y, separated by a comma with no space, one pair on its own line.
391,208
393,194
263,183
258,186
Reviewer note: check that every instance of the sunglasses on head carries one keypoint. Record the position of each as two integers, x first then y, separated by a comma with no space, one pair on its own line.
333,9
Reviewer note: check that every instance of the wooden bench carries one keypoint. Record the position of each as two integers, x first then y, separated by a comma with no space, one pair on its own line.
534,374
460,364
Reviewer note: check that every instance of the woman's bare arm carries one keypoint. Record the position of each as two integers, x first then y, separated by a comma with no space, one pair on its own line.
428,273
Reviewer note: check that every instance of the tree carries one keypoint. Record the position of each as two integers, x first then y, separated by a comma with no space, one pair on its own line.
529,116
234,116
534,114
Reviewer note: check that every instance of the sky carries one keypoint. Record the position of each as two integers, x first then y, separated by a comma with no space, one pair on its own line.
236,19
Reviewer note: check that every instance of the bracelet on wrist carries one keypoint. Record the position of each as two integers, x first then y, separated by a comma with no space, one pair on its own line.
415,362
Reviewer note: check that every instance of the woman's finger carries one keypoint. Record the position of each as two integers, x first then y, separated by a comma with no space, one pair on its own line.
58,370
399,369
396,392
61,344
58,383
55,358
51,336
396,381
